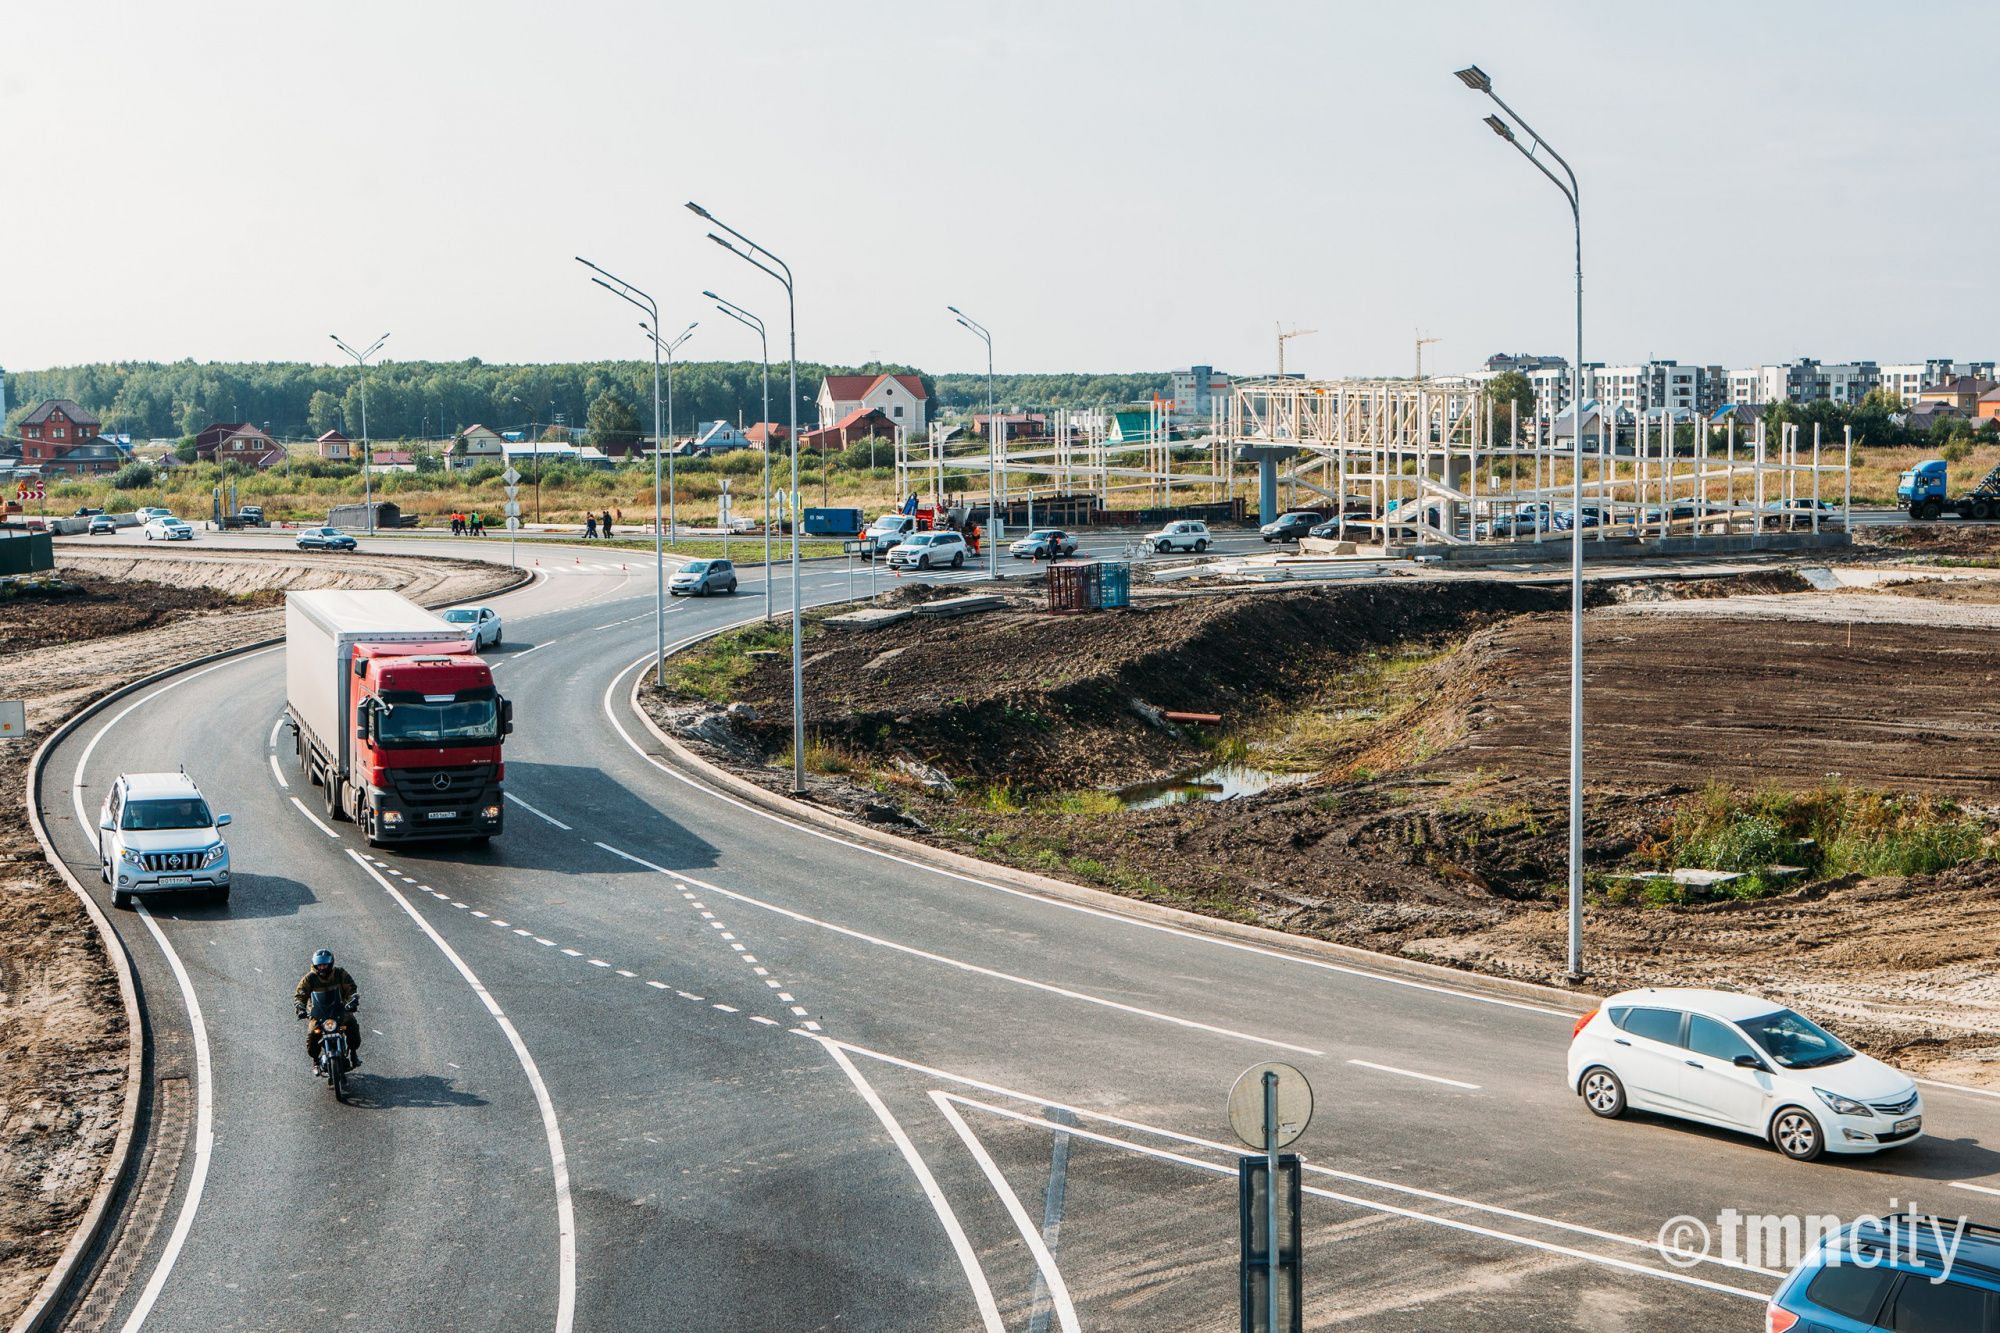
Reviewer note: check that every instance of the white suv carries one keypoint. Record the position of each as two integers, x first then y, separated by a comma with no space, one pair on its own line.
927,550
1741,1063
1181,535
155,835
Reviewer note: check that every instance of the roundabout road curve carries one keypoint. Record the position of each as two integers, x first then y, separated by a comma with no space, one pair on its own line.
780,1079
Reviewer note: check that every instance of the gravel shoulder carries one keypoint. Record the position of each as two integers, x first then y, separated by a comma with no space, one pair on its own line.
63,1040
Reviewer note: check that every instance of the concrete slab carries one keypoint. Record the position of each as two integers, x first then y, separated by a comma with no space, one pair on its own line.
874,617
962,606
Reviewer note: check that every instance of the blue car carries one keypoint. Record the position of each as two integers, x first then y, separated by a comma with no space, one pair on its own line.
325,539
1904,1273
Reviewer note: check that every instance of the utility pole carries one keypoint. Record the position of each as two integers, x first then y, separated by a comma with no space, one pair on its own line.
1285,336
1423,342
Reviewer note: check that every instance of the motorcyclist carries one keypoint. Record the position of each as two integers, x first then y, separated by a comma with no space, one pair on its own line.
324,976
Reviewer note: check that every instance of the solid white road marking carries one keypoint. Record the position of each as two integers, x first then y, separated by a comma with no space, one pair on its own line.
1369,1205
278,773
558,1161
204,1128
540,813
975,968
1959,1087
1967,1185
314,818
1032,1234
1192,1140
1411,1073
982,1293
1214,941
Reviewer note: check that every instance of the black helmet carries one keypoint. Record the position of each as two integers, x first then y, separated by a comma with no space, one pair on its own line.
324,958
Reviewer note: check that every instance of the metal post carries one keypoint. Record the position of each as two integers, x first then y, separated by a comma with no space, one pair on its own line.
367,453
1271,1200
1475,78
742,316
995,435
783,273
626,292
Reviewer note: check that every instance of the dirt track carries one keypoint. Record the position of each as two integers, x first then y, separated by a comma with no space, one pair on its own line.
62,1028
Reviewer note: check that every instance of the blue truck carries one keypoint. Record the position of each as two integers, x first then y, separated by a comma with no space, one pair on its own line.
1926,493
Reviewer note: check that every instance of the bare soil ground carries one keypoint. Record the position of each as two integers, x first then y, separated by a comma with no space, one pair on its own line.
1433,821
62,1026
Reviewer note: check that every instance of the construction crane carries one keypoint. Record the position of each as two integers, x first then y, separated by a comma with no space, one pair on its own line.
1285,336
1423,342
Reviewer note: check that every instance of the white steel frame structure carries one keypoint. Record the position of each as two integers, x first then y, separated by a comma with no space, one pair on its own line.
1420,462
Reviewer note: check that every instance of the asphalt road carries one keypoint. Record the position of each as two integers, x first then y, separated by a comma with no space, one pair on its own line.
656,1059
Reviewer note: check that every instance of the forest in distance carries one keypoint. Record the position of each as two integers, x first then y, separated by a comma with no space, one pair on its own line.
433,399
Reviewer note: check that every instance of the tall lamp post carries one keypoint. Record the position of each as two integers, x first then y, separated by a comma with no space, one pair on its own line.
668,347
367,453
742,316
627,292
748,251
1477,79
995,435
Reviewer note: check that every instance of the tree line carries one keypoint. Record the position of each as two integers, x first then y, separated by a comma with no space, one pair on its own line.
434,399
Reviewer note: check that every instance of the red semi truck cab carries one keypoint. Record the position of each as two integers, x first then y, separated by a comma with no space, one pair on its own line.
397,719
428,727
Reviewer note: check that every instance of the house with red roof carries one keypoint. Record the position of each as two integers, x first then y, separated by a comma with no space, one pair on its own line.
863,423
55,427
899,398
335,446
763,434
249,446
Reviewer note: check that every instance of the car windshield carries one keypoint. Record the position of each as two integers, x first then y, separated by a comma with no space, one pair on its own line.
406,719
177,812
461,616
1794,1040
1042,534
695,567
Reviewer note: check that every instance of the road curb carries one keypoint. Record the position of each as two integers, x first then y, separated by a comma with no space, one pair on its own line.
36,1317
789,808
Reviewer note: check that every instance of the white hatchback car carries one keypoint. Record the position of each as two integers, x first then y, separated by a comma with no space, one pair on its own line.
928,550
1740,1063
1181,535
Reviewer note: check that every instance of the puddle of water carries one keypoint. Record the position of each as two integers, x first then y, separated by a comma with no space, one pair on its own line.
1221,783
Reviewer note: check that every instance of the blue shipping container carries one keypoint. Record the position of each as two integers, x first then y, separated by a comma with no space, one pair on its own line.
834,522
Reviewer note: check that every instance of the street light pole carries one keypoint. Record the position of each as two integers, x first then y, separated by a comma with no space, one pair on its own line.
742,316
669,348
748,251
996,434
1476,79
367,453
627,292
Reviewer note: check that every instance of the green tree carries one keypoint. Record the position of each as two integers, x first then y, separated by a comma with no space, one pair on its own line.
322,412
185,450
132,477
426,460
612,421
1510,389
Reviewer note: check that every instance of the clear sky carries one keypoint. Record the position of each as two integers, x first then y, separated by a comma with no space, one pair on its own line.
1108,186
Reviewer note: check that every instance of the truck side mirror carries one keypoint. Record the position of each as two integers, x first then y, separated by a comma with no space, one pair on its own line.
362,717
506,717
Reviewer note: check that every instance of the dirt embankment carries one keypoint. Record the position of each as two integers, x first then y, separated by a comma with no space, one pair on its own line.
62,1026
1430,722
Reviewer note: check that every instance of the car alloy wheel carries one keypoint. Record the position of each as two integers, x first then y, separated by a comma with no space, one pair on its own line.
1603,1093
1796,1134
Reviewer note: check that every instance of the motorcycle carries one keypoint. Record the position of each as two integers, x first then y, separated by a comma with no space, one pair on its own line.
325,1011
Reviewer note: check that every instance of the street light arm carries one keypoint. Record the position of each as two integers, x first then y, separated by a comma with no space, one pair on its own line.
1574,192
736,312
1567,191
709,217
622,289
751,259
628,298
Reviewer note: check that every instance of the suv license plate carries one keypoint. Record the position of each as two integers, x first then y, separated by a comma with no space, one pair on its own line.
1910,1126
175,881
442,814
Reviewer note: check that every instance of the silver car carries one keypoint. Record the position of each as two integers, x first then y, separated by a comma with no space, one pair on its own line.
699,578
480,623
1184,534
155,835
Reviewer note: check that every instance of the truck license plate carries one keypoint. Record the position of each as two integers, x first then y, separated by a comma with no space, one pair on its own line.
442,814
175,881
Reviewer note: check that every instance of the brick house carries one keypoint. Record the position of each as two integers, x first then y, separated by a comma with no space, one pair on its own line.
54,427
94,456
899,398
211,436
860,424
249,446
